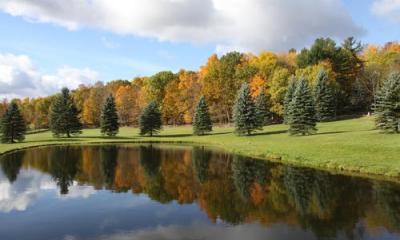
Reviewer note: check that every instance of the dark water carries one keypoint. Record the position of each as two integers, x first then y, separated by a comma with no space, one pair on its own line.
165,192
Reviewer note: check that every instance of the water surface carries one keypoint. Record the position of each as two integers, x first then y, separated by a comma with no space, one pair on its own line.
169,192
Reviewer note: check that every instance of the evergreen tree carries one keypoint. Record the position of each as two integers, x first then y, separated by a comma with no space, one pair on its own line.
13,126
150,119
244,112
201,119
263,104
64,116
302,119
387,105
325,106
109,117
288,99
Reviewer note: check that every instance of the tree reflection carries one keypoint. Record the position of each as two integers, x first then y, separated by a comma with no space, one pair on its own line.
150,159
63,165
11,164
201,158
108,157
234,189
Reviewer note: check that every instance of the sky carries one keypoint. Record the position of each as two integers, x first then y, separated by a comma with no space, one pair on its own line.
49,44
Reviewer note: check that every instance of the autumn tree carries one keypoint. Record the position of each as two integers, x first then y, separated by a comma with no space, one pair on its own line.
64,116
109,117
155,86
222,81
126,99
387,105
92,106
150,120
13,126
277,87
245,112
324,98
202,121
178,105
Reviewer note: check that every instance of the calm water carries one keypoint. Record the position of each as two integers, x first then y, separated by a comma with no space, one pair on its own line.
166,192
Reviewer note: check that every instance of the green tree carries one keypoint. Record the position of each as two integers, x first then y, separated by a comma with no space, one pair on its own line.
13,126
302,119
109,117
263,105
201,119
325,106
288,99
387,105
64,116
150,120
244,112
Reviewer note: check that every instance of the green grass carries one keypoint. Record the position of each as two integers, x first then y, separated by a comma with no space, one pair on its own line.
348,145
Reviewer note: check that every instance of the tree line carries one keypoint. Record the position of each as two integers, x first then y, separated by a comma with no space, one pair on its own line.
343,79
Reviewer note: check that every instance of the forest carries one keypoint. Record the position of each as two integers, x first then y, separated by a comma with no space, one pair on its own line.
356,72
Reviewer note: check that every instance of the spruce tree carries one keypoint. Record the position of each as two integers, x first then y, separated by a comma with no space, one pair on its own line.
325,106
244,112
387,105
201,119
109,117
288,99
150,120
64,116
13,126
302,118
263,105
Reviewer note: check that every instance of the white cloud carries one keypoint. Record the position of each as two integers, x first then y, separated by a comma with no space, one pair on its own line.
387,8
25,190
19,77
230,24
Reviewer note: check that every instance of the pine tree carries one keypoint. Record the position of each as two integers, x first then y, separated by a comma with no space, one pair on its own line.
263,105
13,126
387,105
288,99
150,119
201,119
302,119
109,117
64,116
325,106
244,112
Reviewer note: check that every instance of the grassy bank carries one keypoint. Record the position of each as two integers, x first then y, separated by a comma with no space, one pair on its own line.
349,145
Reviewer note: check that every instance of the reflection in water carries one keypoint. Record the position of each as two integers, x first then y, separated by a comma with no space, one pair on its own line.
177,188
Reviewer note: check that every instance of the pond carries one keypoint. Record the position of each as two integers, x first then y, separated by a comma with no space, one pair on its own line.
173,192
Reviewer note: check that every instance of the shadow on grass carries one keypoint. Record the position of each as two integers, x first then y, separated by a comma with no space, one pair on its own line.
269,133
105,137
335,132
190,134
56,140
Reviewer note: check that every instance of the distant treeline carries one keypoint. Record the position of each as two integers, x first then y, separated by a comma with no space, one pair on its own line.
356,71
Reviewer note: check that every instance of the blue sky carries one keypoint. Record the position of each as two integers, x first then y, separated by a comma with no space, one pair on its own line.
47,44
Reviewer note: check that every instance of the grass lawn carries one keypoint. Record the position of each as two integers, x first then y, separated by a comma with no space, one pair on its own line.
347,145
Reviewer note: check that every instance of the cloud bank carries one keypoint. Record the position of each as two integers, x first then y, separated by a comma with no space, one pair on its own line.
249,25
19,77
389,9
